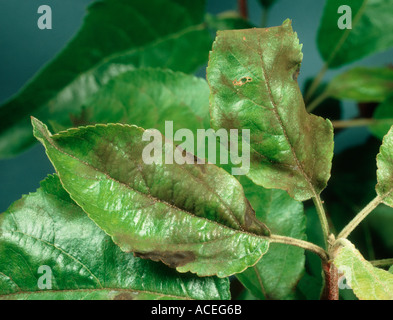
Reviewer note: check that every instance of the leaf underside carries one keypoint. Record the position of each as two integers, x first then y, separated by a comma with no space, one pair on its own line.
367,282
384,186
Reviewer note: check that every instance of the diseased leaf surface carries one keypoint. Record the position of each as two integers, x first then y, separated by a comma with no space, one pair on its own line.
362,84
192,217
384,187
367,282
276,275
117,35
252,76
371,32
47,228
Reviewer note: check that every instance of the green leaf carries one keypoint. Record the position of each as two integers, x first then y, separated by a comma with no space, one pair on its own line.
384,187
384,118
276,275
391,269
246,295
252,76
47,228
371,32
362,84
171,34
194,217
148,97
367,282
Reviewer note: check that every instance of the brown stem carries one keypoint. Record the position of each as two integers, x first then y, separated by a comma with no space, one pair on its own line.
242,4
361,122
331,291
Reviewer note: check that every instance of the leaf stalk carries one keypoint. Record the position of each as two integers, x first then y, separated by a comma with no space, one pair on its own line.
360,217
301,244
382,263
322,218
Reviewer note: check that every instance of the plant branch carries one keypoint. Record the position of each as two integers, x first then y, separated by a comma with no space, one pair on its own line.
243,10
382,263
338,124
331,290
300,243
316,82
359,217
322,218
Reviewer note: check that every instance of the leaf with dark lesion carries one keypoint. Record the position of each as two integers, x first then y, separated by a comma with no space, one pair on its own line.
48,228
192,216
290,149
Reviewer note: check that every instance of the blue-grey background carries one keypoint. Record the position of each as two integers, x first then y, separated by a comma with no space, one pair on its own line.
24,49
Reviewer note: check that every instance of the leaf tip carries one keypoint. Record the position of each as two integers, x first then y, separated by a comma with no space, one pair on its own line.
287,23
40,130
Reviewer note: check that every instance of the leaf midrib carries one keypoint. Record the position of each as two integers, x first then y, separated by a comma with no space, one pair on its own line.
278,117
49,292
346,34
51,142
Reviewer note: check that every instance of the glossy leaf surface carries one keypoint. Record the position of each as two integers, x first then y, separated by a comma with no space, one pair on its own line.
194,217
253,80
47,228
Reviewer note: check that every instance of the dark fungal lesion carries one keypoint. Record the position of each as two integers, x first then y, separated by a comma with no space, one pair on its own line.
172,259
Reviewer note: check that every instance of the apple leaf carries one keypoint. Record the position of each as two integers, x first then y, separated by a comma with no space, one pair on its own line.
276,275
147,98
191,216
362,84
367,282
384,186
253,80
47,229
116,36
371,30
